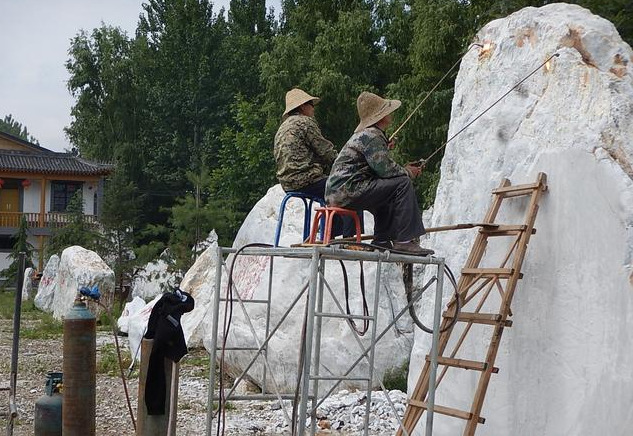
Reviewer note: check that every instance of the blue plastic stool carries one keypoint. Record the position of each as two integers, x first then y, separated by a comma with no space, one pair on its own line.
308,200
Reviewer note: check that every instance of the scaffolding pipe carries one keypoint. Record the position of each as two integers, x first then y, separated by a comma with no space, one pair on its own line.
17,311
436,335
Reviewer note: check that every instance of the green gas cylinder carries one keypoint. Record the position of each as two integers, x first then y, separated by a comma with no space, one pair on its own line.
48,408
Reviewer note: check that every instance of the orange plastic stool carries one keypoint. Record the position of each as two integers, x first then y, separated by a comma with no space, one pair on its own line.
329,212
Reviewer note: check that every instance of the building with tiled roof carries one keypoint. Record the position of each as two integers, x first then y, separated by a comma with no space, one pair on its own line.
38,183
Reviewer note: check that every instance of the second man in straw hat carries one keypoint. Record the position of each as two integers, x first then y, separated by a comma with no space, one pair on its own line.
365,177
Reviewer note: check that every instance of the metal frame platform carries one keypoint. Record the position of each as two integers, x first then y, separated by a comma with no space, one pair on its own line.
309,398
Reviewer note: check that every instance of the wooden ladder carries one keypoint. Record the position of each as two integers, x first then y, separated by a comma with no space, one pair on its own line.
477,281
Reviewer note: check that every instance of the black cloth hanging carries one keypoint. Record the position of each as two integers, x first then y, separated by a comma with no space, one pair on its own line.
169,342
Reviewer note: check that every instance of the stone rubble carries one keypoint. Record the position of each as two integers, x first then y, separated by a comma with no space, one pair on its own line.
340,413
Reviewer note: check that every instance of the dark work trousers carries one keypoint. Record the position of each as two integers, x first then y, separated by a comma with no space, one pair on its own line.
394,205
342,225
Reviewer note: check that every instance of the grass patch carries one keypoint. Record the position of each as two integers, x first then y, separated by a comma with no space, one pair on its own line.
396,378
46,327
108,362
196,363
35,324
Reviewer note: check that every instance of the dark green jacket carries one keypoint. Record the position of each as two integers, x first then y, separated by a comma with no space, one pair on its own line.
364,158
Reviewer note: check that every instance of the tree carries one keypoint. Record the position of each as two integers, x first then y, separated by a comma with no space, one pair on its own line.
102,81
120,218
21,245
246,169
192,218
12,127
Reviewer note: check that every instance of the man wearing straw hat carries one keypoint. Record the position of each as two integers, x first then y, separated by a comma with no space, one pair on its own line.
365,177
303,156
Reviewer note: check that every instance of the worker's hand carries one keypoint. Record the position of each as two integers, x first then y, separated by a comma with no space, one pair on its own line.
413,169
392,143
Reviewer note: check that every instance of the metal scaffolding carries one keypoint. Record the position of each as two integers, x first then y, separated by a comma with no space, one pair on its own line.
309,397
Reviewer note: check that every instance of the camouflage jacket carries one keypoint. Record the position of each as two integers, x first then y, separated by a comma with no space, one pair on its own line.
302,154
364,158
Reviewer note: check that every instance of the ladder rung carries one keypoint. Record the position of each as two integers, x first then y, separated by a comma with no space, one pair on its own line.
508,230
463,363
517,188
487,272
447,411
479,318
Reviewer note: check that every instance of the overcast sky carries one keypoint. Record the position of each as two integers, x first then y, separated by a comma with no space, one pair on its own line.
34,40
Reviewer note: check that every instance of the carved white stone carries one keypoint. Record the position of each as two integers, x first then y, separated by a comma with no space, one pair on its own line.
338,348
199,281
46,289
565,363
80,267
27,283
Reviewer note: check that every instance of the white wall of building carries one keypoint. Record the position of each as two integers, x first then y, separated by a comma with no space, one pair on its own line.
31,201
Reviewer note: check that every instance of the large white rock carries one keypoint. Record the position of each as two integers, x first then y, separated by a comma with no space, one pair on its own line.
46,288
339,349
199,281
80,267
27,283
565,363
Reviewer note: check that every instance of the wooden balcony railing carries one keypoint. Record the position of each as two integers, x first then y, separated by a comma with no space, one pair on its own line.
52,220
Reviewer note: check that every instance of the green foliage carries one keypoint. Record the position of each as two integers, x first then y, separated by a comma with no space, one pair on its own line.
12,127
120,217
101,79
108,360
20,245
35,323
192,218
396,377
201,92
76,231
45,327
245,170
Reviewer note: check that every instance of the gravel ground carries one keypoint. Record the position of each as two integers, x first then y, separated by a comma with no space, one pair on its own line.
39,356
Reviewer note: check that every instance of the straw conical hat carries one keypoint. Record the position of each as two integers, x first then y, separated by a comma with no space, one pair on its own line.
372,109
296,97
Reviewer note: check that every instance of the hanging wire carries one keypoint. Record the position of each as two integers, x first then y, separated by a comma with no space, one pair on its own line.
428,94
422,162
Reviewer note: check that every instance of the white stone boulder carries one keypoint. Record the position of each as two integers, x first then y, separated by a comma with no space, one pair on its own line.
339,349
46,289
565,363
80,267
199,281
27,283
